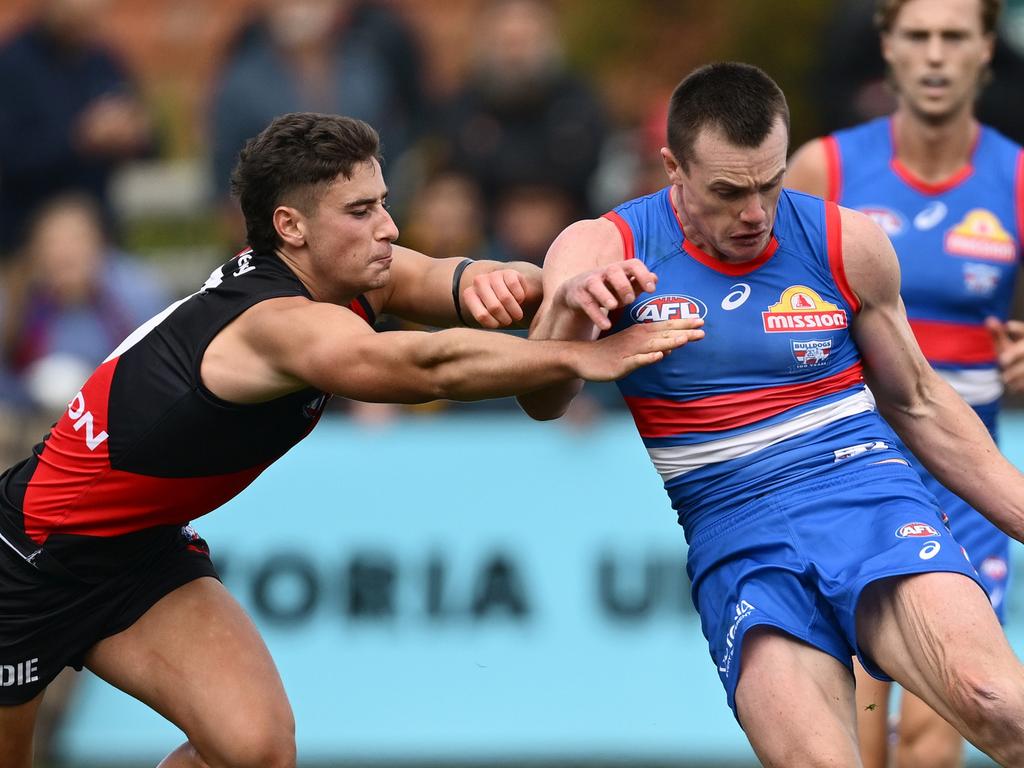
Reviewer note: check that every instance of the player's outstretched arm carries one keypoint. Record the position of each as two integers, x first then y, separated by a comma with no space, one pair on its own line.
282,345
807,170
585,278
447,293
934,422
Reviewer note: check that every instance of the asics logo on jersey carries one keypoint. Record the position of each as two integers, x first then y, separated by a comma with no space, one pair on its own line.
735,298
20,673
84,419
929,550
930,216
669,307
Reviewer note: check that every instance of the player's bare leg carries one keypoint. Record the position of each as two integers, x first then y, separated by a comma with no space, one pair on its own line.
795,703
925,739
937,635
16,727
196,658
872,718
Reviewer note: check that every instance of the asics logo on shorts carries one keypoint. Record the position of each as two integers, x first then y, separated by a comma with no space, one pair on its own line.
929,550
20,673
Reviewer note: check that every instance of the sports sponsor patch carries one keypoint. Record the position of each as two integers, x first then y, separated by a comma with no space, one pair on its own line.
916,531
981,279
891,222
801,310
671,306
981,236
810,353
994,568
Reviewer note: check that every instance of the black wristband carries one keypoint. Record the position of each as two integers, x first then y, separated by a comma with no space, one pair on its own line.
456,279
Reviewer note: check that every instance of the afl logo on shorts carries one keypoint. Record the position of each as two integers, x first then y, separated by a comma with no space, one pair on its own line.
916,531
669,307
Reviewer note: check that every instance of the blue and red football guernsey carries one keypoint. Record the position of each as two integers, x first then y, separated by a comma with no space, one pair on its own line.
144,443
774,392
959,244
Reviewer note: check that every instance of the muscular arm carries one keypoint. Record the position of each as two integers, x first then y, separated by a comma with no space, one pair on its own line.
282,345
807,170
493,294
938,426
565,313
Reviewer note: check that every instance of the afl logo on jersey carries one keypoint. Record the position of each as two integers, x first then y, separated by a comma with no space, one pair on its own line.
891,222
916,531
669,307
802,310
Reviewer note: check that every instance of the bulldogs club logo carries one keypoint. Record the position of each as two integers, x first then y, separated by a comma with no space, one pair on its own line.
669,307
981,236
802,310
811,353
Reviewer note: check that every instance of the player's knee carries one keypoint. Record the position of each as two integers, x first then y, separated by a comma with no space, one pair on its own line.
257,744
991,705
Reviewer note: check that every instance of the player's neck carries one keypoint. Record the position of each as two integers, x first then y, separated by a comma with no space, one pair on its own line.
934,152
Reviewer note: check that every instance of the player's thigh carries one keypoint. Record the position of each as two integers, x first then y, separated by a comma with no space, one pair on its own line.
872,718
795,702
937,635
17,724
925,740
197,659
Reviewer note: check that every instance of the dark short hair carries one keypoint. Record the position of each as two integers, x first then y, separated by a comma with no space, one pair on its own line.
886,12
739,100
291,162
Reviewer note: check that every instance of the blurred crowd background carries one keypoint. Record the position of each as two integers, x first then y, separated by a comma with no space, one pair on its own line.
501,120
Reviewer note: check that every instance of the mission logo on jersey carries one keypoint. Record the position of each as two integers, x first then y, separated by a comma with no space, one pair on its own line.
802,310
669,307
981,236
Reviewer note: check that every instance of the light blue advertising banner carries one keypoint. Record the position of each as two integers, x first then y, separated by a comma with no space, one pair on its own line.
467,588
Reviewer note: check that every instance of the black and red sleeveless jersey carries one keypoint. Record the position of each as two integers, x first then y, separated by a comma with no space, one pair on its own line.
144,443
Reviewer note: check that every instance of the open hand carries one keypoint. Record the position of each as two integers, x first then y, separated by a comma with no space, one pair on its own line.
612,357
600,291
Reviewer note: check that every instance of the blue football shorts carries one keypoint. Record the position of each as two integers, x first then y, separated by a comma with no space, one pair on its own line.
798,559
987,546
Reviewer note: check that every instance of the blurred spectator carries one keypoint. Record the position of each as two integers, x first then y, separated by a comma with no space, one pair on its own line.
527,219
69,114
350,57
72,299
446,219
522,118
850,83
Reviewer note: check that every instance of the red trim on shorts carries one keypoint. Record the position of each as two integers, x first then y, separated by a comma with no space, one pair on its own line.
834,243
656,417
833,168
624,232
954,343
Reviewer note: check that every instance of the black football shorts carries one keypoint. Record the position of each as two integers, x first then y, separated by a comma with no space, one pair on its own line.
57,602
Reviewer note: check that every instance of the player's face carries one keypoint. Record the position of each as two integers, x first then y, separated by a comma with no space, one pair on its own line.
937,52
728,194
349,234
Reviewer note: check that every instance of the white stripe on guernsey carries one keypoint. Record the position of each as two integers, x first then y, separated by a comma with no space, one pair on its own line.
677,460
978,386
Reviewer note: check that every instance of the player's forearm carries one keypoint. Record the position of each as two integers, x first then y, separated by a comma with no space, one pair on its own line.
956,447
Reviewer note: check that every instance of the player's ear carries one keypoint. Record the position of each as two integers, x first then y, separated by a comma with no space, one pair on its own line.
290,225
672,168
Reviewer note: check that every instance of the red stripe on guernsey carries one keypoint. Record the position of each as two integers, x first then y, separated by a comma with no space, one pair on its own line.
356,307
730,268
833,167
954,342
664,418
834,243
624,232
925,187
1019,187
123,502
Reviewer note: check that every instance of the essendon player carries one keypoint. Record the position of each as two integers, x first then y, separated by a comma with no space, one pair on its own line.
98,566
